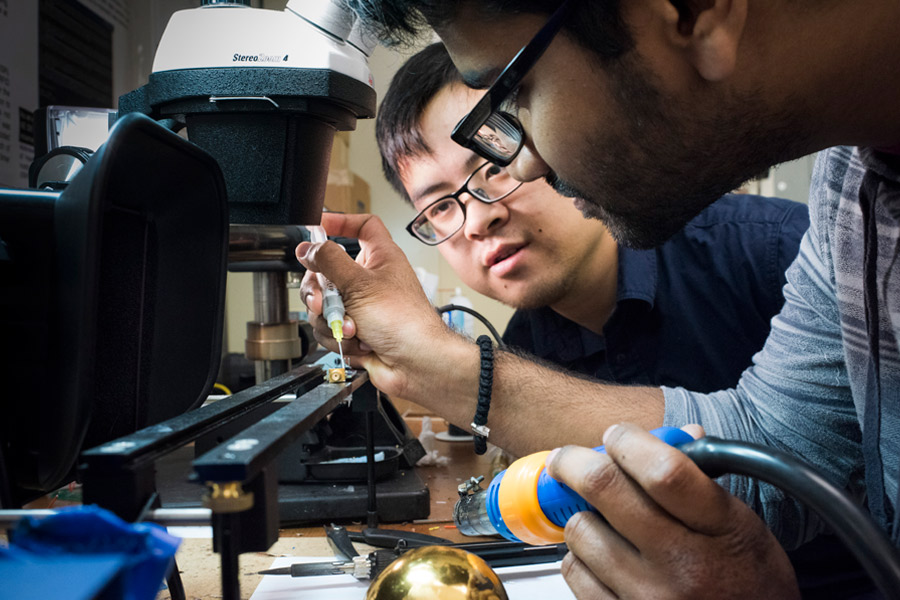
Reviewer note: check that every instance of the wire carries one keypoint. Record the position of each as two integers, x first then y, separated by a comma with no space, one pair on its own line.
477,315
223,387
853,526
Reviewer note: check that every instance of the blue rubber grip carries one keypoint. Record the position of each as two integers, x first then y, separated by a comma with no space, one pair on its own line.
559,502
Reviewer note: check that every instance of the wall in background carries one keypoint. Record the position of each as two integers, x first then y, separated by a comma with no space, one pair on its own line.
790,180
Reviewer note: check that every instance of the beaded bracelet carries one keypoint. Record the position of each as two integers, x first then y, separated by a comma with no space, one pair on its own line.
485,384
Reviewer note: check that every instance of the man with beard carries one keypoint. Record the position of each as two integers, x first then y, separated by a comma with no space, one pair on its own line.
690,313
648,111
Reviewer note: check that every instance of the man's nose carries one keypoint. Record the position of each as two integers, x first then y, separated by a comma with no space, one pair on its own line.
528,164
482,218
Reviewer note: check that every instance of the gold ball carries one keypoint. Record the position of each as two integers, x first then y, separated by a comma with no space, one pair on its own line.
437,573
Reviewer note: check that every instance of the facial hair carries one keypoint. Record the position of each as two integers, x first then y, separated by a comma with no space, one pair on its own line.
544,291
666,161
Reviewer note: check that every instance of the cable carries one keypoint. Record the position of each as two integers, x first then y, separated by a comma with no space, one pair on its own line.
484,321
222,387
855,529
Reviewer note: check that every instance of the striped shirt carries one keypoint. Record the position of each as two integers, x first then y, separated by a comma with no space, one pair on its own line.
816,386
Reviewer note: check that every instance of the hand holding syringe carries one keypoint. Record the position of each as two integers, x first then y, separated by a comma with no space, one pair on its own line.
332,303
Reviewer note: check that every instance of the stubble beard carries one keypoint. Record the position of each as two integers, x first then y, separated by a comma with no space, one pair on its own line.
545,292
666,162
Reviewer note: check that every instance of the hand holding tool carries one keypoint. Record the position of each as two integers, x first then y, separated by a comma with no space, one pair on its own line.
523,503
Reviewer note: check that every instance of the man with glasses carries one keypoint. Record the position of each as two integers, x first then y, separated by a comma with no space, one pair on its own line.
691,313
647,111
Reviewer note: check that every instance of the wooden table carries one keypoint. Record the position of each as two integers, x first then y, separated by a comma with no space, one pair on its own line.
199,565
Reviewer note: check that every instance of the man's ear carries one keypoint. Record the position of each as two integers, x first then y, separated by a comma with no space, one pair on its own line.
708,32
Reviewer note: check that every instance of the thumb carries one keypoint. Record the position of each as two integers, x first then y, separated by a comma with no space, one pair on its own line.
330,260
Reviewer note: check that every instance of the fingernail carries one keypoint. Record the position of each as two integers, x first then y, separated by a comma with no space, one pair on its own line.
607,432
551,456
307,299
303,250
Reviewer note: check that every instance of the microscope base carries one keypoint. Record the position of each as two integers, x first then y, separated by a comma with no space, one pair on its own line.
401,496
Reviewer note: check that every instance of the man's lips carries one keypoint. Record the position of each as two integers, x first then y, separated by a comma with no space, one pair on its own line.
501,253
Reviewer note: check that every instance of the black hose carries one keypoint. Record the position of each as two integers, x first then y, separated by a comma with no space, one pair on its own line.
851,524
477,315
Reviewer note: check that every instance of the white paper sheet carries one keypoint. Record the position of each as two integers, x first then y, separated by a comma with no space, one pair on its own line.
528,582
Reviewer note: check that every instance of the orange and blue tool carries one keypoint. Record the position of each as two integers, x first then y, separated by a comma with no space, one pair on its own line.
523,503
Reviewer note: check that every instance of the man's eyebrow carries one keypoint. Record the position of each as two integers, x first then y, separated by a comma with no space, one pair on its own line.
480,80
417,195
471,162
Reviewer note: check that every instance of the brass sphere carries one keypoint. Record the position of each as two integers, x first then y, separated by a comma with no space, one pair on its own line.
437,573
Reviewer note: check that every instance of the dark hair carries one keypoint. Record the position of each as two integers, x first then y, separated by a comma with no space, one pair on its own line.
595,24
398,125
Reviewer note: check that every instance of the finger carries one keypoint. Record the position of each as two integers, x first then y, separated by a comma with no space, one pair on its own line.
695,431
349,328
362,227
604,485
310,293
332,261
669,477
313,302
582,581
325,337
611,559
355,362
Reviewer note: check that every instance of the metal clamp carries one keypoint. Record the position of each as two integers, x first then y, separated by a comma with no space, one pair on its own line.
482,430
472,486
228,497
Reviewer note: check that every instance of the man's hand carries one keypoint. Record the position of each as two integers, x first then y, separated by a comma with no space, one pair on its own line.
670,531
391,329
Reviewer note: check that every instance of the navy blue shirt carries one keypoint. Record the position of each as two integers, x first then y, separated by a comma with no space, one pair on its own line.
690,313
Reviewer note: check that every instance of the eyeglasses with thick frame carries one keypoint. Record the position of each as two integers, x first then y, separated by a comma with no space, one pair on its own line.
495,134
417,225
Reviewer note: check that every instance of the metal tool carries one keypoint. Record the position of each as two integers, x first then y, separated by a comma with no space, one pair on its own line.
397,543
340,542
390,538
498,553
360,567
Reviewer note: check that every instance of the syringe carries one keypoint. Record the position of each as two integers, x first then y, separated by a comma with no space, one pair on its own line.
332,303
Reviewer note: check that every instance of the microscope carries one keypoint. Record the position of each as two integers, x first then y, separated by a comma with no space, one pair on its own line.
264,92
112,280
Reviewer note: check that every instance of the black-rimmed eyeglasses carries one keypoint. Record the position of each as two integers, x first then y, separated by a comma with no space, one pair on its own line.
490,131
438,221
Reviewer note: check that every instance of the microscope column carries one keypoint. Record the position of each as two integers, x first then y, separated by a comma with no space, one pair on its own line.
273,339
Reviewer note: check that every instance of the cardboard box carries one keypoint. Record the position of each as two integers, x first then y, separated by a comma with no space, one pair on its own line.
347,192
359,195
340,152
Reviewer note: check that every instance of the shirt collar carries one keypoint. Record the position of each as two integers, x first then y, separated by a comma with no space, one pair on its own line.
637,276
554,335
